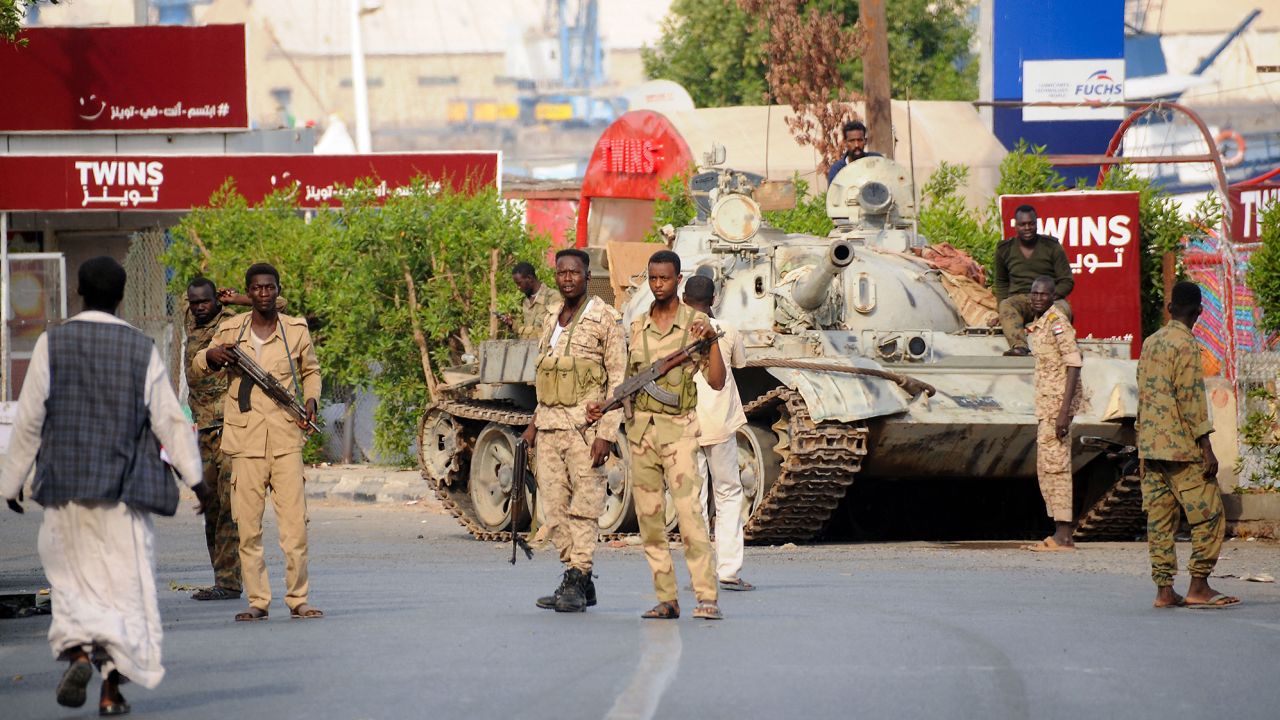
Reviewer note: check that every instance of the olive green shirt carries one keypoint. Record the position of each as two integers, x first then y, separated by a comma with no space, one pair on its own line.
1014,273
1172,410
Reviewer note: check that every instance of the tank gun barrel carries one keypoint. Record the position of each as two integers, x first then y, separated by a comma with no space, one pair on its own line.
810,291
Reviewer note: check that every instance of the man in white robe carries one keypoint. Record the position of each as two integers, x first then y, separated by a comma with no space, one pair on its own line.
96,541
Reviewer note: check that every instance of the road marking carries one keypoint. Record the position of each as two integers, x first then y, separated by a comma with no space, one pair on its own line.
660,649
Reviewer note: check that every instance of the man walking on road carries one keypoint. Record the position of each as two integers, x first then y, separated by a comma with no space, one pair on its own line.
719,418
581,360
663,439
95,409
1180,470
262,439
1019,261
1058,398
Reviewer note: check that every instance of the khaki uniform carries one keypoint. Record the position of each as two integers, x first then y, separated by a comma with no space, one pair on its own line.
265,447
536,308
1053,343
205,397
1172,414
663,441
585,364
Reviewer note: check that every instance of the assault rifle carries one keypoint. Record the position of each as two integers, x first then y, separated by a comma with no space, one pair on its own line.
278,393
521,479
647,380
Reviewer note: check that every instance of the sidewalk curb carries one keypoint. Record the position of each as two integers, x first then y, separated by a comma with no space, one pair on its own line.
366,483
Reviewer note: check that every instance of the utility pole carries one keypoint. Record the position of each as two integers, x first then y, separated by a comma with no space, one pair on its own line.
141,12
875,77
359,83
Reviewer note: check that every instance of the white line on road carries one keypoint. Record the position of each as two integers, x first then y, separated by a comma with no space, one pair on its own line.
660,648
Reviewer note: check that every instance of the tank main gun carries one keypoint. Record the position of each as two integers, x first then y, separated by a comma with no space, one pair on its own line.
810,291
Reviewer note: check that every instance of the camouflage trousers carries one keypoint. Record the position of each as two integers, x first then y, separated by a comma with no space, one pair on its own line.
1015,312
220,533
571,494
676,464
1053,469
1168,487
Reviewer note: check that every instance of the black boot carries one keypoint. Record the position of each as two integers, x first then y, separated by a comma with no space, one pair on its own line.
589,589
573,595
548,602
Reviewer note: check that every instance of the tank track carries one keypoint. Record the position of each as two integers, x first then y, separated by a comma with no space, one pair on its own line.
455,500
1117,515
819,463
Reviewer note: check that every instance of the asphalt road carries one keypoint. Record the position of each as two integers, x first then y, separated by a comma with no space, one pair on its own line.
423,622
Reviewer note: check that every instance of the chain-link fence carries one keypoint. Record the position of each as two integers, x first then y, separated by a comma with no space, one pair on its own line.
147,305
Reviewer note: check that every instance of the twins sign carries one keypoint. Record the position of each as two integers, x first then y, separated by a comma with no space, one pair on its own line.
1099,231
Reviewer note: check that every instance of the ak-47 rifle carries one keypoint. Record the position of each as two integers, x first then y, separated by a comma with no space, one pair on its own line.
647,380
521,479
278,393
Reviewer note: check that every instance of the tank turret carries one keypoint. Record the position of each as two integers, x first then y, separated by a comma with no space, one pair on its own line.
811,291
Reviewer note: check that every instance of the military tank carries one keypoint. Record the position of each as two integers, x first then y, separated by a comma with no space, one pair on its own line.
859,365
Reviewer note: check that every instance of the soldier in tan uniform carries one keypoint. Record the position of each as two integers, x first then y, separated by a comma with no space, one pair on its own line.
263,441
1180,471
1058,398
581,360
663,440
537,303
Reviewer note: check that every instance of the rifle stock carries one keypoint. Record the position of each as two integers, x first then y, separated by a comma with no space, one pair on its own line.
278,393
521,480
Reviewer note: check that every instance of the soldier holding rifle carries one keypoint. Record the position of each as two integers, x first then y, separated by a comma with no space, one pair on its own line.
581,359
262,438
663,436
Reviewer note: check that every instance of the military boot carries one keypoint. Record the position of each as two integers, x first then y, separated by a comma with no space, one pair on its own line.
573,593
548,602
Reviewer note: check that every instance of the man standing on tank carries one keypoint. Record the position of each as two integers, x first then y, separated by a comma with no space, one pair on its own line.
855,147
663,439
1019,261
1058,397
1179,469
581,361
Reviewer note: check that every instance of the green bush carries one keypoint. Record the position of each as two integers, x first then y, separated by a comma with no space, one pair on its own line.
1263,277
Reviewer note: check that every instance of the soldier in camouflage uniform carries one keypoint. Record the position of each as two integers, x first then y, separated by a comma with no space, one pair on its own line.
204,313
537,303
1179,467
664,440
581,360
1058,398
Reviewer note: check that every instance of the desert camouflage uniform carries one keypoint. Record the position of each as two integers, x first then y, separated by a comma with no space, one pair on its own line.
536,308
570,491
205,397
1053,342
1172,414
664,445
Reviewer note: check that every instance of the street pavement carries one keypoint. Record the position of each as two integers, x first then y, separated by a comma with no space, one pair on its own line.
424,622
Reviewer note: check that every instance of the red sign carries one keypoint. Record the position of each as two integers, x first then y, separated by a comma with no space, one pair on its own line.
181,182
1099,231
112,79
1247,205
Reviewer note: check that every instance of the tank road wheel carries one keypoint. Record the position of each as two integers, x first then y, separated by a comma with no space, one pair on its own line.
490,483
758,465
439,444
619,514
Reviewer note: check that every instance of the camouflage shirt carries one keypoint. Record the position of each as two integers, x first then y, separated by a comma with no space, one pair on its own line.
1172,410
1053,342
205,394
535,308
645,334
596,337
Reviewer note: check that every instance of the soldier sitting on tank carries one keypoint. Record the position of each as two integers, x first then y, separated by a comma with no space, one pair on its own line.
1019,261
855,148
662,436
581,361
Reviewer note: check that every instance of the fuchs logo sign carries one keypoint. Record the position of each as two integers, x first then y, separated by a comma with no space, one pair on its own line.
1102,86
1079,83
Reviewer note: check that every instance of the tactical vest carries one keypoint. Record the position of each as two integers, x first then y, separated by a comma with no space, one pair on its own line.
678,381
565,380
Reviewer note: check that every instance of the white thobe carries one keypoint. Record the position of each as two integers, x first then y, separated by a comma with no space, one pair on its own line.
99,556
719,418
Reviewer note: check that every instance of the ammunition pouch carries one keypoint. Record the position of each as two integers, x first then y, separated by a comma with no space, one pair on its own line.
679,382
563,380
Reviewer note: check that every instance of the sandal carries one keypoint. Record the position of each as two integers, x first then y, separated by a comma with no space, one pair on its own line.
708,611
251,615
305,612
118,706
663,611
74,681
737,584
217,592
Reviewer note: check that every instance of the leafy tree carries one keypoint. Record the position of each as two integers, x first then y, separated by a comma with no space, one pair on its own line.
1264,270
394,291
11,14
716,50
